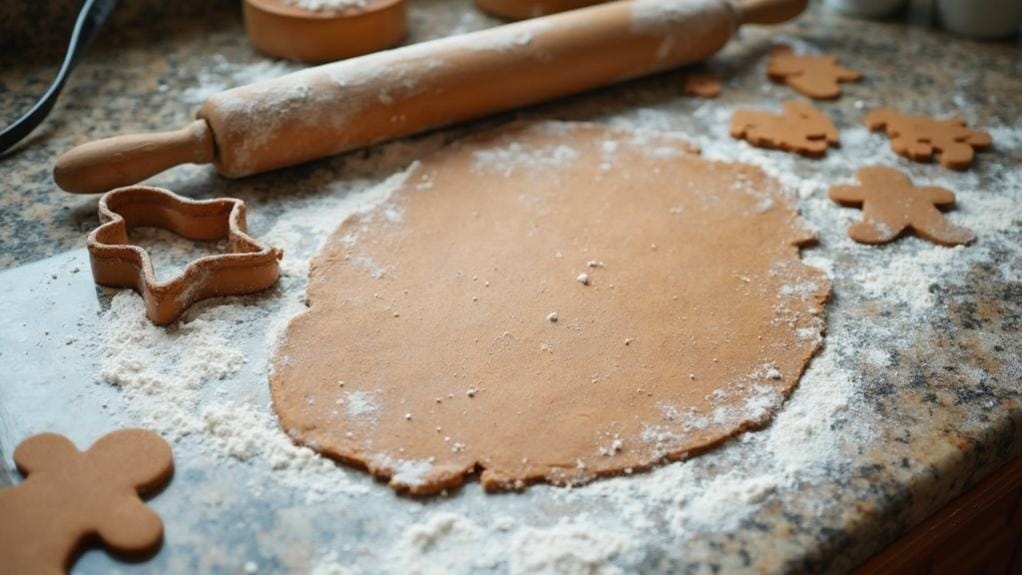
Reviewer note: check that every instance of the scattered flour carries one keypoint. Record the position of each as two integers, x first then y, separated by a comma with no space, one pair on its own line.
450,543
570,547
165,369
512,157
442,544
879,357
409,472
517,37
183,381
329,564
655,16
221,74
327,5
361,404
681,24
168,375
915,274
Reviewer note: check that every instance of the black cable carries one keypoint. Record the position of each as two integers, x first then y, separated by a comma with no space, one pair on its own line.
93,15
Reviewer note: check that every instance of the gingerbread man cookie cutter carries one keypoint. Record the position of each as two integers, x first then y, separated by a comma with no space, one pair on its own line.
891,205
248,267
920,137
70,496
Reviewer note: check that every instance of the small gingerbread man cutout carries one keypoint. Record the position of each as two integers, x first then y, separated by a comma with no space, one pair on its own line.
817,77
800,128
69,496
919,137
891,205
701,82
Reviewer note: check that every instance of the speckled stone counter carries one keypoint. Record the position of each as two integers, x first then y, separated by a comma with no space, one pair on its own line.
915,398
28,25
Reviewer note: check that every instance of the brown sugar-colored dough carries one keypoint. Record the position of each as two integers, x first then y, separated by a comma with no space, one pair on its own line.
891,205
702,83
920,137
69,497
800,128
550,302
815,76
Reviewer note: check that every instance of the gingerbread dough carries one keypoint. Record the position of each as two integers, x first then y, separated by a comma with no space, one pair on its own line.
815,76
702,83
550,302
891,205
920,137
800,128
70,496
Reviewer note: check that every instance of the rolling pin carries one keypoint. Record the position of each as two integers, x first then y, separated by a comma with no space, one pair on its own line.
349,104
522,9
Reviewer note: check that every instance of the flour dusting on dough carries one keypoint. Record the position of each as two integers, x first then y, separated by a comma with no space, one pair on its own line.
361,404
406,472
327,5
511,157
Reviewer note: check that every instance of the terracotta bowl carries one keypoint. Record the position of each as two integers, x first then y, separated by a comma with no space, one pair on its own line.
286,31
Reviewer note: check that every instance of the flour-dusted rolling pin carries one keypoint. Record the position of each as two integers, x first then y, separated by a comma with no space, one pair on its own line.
344,105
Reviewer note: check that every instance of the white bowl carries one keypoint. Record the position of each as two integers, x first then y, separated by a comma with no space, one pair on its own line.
981,18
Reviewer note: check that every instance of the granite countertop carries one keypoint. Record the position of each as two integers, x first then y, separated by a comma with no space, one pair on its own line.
915,398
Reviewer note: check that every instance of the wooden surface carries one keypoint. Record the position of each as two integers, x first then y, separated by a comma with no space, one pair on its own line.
978,533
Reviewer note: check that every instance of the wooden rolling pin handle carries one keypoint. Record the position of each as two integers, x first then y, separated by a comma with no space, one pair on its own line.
106,164
770,11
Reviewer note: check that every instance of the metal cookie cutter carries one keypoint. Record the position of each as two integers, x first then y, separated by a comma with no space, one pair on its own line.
248,266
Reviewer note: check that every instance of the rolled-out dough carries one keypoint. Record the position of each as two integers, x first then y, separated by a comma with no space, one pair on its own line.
551,302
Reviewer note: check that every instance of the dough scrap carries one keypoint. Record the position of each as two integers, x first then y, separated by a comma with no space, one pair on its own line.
814,76
69,496
448,332
702,83
800,128
919,137
891,205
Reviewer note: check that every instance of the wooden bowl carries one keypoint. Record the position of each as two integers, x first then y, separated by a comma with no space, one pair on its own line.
287,31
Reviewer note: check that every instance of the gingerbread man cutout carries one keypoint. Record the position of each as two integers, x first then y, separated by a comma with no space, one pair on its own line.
919,137
800,128
891,205
701,82
817,77
69,496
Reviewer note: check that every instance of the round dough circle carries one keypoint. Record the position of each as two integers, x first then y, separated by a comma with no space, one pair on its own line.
551,302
